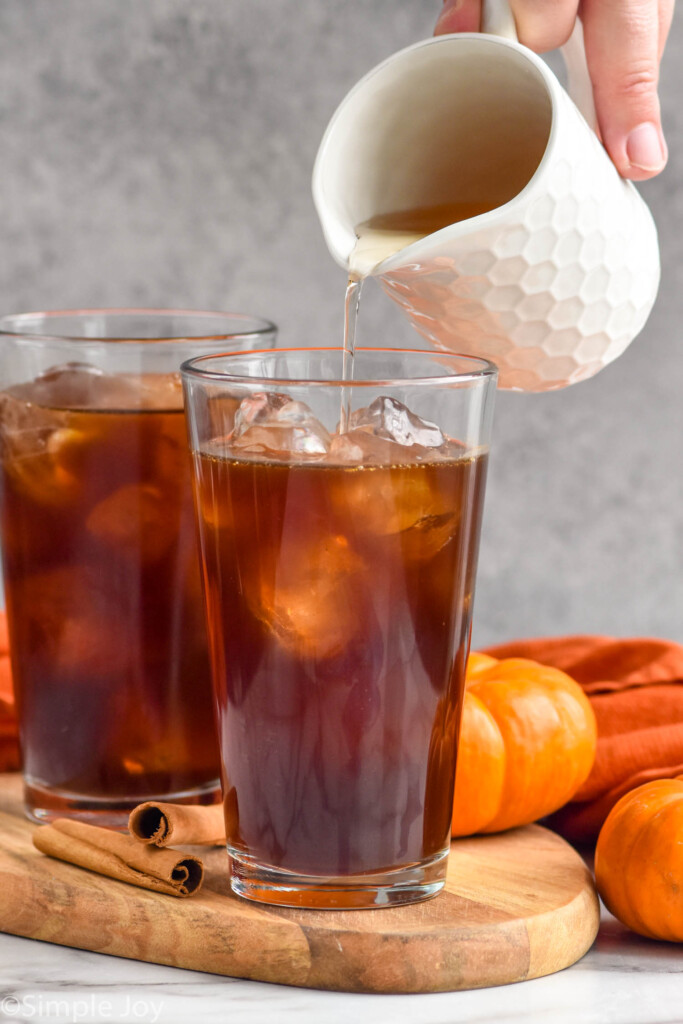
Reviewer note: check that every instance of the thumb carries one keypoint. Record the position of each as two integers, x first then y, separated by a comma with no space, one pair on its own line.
622,49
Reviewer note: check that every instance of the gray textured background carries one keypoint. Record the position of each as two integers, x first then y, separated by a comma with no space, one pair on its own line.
158,152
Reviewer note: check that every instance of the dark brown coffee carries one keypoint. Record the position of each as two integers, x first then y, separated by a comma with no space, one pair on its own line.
103,593
338,602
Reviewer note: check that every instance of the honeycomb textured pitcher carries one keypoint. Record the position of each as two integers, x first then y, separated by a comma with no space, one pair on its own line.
555,280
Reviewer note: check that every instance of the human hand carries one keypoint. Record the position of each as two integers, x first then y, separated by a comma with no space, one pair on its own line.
624,45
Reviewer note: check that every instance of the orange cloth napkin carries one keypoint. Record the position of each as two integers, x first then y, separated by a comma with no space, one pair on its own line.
636,689
9,738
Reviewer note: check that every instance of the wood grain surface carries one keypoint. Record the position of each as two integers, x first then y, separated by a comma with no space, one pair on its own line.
516,906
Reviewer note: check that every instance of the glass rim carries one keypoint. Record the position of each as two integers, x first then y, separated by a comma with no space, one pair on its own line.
258,327
192,368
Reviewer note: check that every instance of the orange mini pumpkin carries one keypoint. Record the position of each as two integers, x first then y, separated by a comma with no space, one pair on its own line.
638,865
527,743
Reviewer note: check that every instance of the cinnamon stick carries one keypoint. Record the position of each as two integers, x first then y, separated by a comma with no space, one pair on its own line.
160,824
120,856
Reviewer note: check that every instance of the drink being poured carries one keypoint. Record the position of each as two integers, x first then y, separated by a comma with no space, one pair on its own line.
381,237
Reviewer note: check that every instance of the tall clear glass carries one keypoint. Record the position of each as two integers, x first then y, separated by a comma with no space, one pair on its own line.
338,570
107,632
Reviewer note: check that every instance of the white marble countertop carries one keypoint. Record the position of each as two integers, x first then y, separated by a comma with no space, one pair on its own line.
623,980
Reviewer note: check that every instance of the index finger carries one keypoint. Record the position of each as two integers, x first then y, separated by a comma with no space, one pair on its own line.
623,49
459,16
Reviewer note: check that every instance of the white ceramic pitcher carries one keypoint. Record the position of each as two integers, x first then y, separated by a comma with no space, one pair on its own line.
555,281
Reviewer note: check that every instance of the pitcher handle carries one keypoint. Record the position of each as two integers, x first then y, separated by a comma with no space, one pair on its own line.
498,20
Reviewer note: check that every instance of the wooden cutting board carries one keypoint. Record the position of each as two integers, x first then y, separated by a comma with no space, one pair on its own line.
515,906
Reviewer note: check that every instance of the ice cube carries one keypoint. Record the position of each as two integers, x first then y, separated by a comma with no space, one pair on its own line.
161,391
389,490
71,616
147,740
134,520
67,446
82,386
269,423
25,428
312,604
39,451
388,418
259,407
68,386
281,441
404,503
361,448
125,392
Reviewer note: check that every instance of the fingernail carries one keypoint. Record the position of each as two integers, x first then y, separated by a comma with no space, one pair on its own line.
645,149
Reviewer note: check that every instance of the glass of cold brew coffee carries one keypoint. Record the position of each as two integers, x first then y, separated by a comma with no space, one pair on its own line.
102,585
339,521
